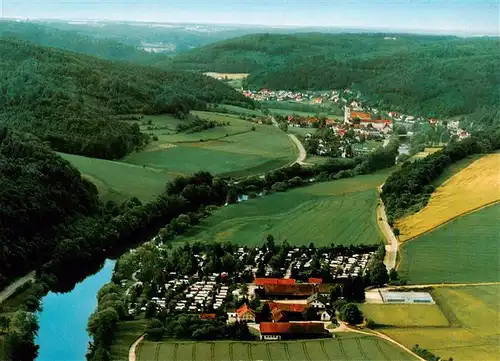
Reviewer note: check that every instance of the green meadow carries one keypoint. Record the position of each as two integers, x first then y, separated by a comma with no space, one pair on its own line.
341,211
464,250
242,147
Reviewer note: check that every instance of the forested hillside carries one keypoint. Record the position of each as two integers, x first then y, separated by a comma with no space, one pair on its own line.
424,75
73,41
40,192
72,100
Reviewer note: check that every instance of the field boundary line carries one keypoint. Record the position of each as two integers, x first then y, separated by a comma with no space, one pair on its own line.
306,352
268,352
379,348
486,205
383,336
414,238
322,344
132,350
231,351
249,352
342,349
157,351
360,347
193,352
176,351
287,351
212,351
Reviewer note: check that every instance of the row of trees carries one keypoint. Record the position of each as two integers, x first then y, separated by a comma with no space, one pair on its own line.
409,189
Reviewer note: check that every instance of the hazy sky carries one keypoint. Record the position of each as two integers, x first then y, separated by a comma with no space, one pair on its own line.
471,16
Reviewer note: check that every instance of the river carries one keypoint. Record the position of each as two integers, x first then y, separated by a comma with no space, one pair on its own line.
63,321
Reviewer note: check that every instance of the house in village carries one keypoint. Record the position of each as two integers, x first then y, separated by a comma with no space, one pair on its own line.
286,312
245,313
325,316
314,301
291,330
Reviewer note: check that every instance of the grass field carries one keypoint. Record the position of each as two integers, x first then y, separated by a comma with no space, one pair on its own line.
404,315
127,333
240,110
302,131
473,187
118,181
221,150
345,347
341,211
465,250
474,334
231,76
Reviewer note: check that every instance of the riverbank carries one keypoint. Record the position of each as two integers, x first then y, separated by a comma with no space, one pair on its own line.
63,321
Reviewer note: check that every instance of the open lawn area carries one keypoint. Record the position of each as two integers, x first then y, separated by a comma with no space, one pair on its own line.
474,186
340,212
119,181
465,250
404,315
475,332
127,333
240,110
345,347
229,150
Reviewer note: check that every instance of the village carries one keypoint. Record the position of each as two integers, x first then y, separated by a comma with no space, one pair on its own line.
280,292
350,133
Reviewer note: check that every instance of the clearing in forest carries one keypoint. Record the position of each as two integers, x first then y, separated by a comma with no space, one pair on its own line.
463,250
473,187
341,212
474,332
347,346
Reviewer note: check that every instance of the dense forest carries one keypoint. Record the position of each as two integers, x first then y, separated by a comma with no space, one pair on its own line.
421,75
72,100
73,41
40,192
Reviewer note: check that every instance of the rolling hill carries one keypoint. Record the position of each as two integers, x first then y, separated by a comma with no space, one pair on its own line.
418,74
76,102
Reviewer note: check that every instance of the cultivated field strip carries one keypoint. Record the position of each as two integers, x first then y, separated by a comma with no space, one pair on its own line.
349,348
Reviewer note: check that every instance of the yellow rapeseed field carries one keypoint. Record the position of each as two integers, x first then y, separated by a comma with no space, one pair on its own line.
471,188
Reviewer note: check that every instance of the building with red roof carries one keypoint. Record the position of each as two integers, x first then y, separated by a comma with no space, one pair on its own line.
288,330
285,312
315,280
207,316
296,290
245,313
274,281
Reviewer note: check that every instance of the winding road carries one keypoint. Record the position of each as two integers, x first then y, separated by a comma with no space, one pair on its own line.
302,151
391,249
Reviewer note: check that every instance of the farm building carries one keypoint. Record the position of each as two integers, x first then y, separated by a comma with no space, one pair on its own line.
285,312
290,330
298,290
407,297
245,313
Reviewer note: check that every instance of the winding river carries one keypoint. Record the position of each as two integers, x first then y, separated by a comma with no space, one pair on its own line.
63,321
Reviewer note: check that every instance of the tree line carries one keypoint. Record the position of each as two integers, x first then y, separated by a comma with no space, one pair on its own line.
74,101
409,189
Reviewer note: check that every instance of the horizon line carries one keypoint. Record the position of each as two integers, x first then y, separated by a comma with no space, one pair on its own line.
416,31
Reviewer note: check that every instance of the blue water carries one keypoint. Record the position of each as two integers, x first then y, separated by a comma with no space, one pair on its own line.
63,321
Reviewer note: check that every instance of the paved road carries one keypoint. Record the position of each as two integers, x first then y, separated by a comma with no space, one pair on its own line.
302,151
10,289
391,249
